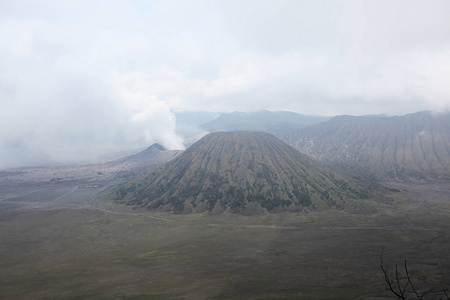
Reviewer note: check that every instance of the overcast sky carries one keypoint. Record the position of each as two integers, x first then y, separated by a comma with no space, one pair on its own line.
80,78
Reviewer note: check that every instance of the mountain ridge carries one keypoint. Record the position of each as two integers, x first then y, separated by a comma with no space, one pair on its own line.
264,120
410,147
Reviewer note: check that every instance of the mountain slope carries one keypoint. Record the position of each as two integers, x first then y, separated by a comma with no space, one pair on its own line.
402,147
145,161
245,172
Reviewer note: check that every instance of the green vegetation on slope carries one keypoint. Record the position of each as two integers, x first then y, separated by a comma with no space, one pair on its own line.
245,172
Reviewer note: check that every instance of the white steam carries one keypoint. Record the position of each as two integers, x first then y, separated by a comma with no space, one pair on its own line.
150,116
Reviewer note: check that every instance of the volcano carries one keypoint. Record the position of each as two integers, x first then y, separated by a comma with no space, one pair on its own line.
238,172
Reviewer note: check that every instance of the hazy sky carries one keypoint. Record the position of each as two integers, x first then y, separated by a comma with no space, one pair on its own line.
79,78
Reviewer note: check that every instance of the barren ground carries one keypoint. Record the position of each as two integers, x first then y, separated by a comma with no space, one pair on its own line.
59,242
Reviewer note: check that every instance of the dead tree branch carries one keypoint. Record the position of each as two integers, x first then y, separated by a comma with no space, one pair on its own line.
398,291
389,281
445,292
420,297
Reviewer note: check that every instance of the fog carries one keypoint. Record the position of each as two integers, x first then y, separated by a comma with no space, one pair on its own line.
81,79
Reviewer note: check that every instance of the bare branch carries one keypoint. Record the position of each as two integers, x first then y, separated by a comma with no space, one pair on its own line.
402,293
420,297
445,292
388,280
396,288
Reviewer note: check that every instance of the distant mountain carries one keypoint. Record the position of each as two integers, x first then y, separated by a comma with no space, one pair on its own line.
414,146
145,161
127,167
239,172
267,121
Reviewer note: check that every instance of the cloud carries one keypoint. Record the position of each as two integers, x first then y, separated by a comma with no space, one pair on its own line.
59,98
80,78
